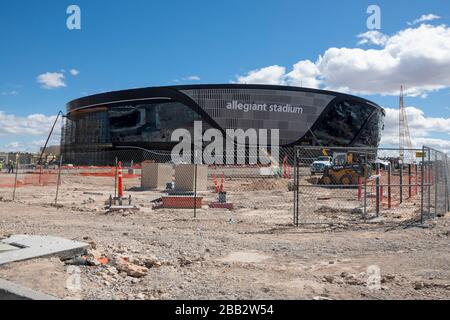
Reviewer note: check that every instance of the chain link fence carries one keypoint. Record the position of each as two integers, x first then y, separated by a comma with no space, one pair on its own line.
300,185
358,185
255,190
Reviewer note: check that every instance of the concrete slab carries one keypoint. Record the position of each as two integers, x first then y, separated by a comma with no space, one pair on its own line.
12,291
40,246
6,247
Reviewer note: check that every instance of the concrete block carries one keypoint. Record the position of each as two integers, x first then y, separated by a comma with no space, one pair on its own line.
185,177
218,205
156,175
40,246
13,291
182,202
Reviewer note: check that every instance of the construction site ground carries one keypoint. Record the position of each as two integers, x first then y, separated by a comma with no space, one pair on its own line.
253,252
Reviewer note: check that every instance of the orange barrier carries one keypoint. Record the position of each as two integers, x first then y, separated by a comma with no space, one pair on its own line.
108,174
29,179
216,187
400,187
287,170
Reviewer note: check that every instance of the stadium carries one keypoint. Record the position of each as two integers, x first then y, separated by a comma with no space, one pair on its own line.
144,119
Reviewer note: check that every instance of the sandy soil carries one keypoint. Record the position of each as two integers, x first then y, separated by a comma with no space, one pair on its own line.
253,252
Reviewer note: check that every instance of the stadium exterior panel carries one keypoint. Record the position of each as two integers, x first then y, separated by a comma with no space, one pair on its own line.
144,119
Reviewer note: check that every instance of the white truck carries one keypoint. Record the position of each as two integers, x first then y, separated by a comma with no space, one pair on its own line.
319,165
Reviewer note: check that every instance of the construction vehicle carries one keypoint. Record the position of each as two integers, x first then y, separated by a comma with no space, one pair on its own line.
345,169
320,164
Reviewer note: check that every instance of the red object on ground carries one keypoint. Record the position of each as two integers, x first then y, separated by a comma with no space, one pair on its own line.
119,181
222,182
217,205
410,182
182,202
285,167
216,187
111,173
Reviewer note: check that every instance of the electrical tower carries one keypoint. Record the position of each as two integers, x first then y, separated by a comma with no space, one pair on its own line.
406,152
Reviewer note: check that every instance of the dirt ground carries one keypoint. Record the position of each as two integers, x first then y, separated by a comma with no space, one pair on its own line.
252,252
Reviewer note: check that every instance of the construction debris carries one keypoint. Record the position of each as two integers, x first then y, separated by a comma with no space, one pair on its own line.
131,269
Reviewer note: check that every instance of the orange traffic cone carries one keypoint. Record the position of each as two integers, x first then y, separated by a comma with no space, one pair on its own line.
119,181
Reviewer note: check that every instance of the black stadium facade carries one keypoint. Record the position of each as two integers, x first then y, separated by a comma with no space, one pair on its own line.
145,118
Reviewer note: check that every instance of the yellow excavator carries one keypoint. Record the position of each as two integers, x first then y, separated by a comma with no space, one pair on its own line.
345,169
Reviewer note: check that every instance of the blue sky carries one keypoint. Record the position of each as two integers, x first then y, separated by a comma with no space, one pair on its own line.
127,44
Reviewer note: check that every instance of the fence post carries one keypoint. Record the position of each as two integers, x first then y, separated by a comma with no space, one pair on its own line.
389,186
366,176
295,188
378,198
447,184
359,188
429,181
435,181
422,184
115,177
15,177
59,179
409,181
415,180
381,183
401,183
195,190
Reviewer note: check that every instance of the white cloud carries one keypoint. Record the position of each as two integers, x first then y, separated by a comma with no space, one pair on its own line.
424,18
34,125
13,146
9,93
304,74
27,146
421,128
268,75
51,80
373,37
192,78
27,133
418,58
74,72
188,78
